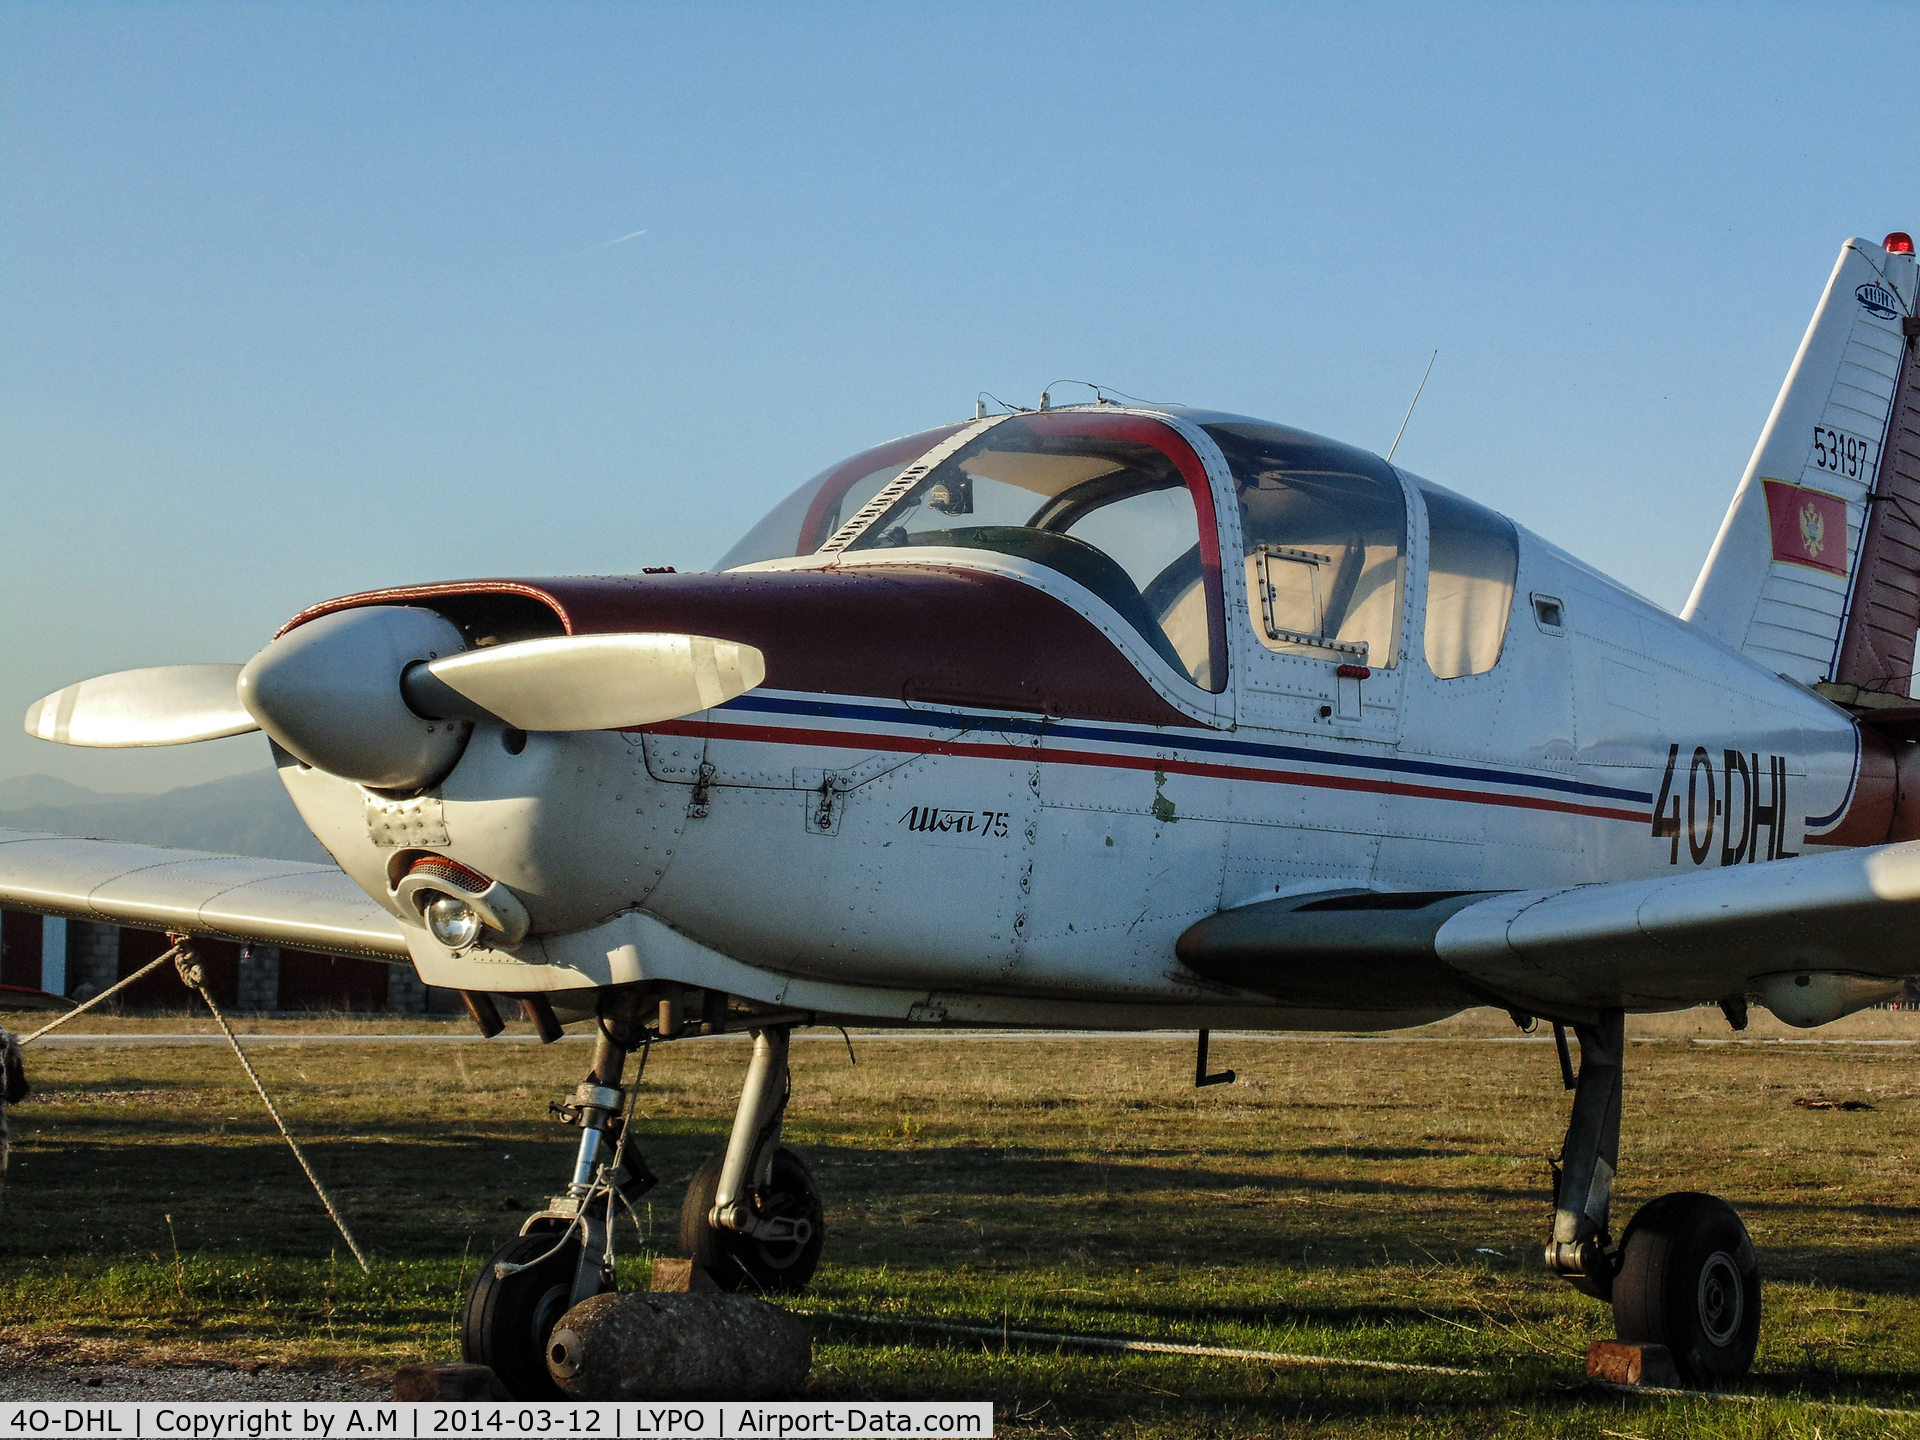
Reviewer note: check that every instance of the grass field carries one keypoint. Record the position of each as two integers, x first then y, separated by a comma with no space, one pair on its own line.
1365,1198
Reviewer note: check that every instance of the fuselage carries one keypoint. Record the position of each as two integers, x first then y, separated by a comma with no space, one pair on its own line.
978,786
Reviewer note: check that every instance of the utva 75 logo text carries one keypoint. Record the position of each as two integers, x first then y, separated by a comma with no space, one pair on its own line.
1709,807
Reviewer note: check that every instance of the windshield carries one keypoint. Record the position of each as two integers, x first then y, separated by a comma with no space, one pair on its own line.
801,523
1117,503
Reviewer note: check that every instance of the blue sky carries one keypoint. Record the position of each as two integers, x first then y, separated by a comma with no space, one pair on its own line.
298,299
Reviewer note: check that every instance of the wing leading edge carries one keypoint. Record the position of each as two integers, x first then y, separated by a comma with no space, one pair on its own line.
227,897
1849,921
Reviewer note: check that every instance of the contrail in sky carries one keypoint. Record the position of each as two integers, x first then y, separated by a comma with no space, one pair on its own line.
621,240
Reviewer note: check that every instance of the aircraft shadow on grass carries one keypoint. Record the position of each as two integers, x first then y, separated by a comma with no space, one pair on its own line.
80,1155
99,1173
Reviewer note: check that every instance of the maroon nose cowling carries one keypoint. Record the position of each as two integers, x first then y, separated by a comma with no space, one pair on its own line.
922,633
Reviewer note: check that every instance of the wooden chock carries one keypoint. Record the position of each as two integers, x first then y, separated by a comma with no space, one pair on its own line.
450,1381
1619,1363
682,1277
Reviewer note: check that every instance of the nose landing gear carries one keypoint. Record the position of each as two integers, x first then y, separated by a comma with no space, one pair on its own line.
563,1254
1684,1274
753,1218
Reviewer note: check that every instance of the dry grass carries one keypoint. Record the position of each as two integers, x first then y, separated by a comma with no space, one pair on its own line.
1366,1198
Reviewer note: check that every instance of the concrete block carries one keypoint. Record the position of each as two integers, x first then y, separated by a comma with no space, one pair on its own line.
1619,1363
93,958
679,1347
259,982
405,993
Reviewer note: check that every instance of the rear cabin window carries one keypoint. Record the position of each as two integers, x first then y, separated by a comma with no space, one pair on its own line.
1113,502
1325,527
802,523
1473,555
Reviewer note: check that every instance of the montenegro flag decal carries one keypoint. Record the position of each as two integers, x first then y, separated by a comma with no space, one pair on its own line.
1809,527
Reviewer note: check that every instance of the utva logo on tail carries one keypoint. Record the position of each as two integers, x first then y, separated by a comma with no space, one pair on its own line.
1105,717
1879,301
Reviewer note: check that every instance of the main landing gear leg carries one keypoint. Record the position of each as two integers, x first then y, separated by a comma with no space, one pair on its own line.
1580,1251
753,1218
562,1255
1684,1274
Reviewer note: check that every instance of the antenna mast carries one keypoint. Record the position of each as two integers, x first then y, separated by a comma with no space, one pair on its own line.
1416,400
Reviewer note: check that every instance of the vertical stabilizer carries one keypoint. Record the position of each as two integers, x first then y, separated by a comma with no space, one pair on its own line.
1777,582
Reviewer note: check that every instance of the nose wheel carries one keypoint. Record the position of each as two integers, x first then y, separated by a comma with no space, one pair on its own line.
510,1315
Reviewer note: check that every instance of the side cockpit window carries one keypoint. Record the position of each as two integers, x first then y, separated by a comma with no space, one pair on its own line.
1473,555
1117,503
1325,528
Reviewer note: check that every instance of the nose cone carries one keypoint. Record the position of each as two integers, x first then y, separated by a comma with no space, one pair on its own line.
329,692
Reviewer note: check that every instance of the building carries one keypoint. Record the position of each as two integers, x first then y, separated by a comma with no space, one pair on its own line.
80,958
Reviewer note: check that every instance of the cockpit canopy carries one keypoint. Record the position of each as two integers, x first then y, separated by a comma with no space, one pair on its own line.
1110,501
1120,503
1113,502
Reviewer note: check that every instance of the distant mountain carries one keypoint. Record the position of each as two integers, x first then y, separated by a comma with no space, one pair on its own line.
240,815
26,792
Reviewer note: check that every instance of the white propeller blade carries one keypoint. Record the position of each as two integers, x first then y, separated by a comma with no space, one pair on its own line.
602,682
167,705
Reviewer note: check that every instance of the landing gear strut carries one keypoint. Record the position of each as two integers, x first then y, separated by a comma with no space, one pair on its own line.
1581,1250
1684,1273
563,1254
753,1218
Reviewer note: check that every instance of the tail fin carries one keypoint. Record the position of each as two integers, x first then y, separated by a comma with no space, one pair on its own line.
1784,578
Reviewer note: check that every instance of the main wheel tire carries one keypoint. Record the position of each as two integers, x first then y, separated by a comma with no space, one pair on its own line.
740,1262
1689,1281
508,1321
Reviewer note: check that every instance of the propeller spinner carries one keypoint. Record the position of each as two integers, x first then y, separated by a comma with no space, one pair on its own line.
384,694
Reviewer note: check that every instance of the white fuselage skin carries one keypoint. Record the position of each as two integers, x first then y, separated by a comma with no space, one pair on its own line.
896,863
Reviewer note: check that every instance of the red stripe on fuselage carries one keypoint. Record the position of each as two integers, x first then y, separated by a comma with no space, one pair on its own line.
1107,759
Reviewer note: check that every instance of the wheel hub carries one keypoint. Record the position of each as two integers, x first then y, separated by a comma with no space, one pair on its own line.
1722,1303
546,1315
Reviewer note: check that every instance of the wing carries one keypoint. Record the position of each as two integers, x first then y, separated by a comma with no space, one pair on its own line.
229,897
1849,922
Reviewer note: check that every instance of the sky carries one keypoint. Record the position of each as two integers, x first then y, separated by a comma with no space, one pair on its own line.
300,299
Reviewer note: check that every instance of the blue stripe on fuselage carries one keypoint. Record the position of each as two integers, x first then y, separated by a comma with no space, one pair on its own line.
1183,741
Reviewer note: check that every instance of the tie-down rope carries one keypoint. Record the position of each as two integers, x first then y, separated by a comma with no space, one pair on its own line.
111,990
1143,1347
194,978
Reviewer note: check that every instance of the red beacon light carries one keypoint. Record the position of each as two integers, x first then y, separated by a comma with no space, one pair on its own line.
1898,243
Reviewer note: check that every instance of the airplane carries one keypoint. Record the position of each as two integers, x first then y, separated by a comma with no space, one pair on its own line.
1108,716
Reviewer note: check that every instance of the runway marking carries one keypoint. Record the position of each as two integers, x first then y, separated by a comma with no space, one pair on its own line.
1184,1037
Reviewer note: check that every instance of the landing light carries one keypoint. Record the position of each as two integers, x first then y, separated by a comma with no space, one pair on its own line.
453,922
1898,243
